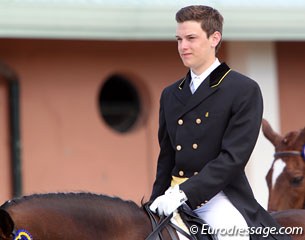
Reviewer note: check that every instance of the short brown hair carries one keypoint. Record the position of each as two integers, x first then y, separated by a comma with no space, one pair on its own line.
211,20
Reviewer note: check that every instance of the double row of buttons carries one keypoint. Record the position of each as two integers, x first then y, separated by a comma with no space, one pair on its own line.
194,146
198,121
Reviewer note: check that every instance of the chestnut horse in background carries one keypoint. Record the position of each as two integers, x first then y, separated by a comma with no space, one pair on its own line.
285,179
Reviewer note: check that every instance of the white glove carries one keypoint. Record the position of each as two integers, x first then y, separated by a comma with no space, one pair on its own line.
170,190
169,202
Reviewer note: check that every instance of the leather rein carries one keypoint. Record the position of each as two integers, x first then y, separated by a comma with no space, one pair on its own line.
158,226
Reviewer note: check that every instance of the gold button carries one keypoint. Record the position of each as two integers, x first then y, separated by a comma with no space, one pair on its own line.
178,147
181,173
195,173
202,204
206,201
180,121
195,146
207,114
198,120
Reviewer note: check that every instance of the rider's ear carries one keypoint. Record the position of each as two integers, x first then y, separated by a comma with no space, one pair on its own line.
6,224
215,38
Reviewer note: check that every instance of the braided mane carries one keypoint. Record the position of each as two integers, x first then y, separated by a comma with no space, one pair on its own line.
69,196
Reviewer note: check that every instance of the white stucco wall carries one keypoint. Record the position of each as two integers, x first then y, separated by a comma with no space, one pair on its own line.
258,61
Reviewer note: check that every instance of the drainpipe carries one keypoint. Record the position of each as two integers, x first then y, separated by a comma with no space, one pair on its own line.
12,79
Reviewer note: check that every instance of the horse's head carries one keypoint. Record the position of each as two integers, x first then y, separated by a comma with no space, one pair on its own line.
285,178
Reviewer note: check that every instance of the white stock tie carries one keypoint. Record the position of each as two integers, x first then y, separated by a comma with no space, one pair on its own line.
193,86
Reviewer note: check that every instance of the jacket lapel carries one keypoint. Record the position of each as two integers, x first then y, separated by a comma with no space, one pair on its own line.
207,88
183,92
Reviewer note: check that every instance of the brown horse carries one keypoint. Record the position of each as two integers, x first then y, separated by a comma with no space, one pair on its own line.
59,216
73,216
292,220
285,178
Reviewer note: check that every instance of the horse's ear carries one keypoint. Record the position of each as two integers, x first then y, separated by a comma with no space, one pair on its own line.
6,224
270,134
302,135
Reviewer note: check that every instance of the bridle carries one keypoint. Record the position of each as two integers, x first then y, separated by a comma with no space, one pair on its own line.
290,153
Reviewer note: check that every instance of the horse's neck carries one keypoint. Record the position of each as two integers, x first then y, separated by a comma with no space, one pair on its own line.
105,216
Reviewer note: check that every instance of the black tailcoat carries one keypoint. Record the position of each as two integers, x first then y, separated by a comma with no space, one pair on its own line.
208,137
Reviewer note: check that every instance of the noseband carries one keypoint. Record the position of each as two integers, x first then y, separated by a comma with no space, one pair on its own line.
291,153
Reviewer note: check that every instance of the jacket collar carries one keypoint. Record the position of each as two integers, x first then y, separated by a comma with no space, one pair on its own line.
208,87
219,74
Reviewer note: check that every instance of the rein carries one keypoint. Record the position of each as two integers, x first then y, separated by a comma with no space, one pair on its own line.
291,153
157,227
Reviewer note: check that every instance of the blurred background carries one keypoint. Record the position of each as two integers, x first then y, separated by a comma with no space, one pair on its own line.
80,82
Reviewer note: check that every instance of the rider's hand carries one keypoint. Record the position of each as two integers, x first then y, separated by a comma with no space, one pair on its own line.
169,202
